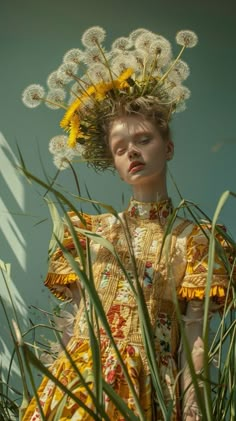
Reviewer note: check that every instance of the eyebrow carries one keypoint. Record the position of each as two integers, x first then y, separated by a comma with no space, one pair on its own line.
117,137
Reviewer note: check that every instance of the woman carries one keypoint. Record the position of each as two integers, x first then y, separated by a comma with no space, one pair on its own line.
123,123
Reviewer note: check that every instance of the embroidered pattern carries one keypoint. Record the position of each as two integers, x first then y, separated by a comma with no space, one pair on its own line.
146,224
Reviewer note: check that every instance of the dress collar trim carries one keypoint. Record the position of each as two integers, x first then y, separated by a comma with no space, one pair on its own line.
150,210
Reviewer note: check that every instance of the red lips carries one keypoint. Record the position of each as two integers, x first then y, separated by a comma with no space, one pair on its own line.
135,165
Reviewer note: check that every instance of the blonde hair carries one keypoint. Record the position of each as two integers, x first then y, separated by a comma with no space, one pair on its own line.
98,153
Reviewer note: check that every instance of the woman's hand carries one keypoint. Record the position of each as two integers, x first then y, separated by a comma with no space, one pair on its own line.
193,330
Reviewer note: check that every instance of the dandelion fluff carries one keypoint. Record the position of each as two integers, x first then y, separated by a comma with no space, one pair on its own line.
186,38
181,106
173,78
58,145
67,71
54,81
121,44
123,62
136,33
33,95
75,55
55,98
93,56
76,89
61,162
182,69
86,106
144,41
78,150
180,93
162,48
140,57
93,36
146,61
98,73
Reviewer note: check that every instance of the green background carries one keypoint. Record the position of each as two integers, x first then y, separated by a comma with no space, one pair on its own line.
34,37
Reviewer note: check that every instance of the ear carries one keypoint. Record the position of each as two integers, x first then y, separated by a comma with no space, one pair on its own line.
169,149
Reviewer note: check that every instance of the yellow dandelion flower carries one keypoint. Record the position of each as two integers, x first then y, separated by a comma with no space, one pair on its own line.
91,90
74,131
70,121
125,74
102,89
69,113
65,122
121,84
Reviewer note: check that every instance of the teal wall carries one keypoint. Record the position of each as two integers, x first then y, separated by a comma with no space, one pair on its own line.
34,37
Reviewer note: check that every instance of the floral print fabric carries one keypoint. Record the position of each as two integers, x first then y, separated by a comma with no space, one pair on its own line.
146,223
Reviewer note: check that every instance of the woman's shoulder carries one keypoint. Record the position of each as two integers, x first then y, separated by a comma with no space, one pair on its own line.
92,222
198,229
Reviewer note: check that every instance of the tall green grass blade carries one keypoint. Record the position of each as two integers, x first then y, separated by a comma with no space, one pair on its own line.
58,226
94,338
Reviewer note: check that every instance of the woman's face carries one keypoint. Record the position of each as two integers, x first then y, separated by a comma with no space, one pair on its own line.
139,151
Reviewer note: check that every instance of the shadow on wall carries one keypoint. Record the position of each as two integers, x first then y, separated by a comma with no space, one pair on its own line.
23,260
13,246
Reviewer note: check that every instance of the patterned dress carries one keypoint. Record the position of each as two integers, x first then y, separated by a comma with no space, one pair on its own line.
182,269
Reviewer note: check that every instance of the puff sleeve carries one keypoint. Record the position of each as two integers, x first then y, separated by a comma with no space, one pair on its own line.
193,284
60,274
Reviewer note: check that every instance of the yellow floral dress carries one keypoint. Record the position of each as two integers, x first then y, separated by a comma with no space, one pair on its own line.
183,269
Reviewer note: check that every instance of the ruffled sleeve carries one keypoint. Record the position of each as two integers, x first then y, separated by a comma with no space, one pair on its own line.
60,273
193,285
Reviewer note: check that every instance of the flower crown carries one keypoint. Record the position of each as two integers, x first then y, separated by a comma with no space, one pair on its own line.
138,66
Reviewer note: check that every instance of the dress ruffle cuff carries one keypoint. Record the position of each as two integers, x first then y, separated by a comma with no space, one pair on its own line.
194,287
58,285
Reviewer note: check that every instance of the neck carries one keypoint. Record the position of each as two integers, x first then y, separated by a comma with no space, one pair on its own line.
148,193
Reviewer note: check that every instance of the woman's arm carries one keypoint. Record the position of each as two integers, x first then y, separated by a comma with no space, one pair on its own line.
75,291
193,329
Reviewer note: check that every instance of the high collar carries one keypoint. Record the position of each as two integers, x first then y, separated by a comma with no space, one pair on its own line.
150,210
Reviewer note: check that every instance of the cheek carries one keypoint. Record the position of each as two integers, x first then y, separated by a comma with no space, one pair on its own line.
120,167
117,164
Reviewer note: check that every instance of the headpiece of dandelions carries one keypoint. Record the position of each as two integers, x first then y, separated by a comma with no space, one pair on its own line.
138,75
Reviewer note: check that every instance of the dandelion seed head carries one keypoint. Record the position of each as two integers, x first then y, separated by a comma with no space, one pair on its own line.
33,95
187,38
182,69
85,80
58,145
55,98
144,60
67,71
140,57
54,81
93,56
144,41
93,36
173,78
180,93
78,149
162,49
98,73
62,163
76,89
87,105
123,62
181,106
75,55
136,33
121,44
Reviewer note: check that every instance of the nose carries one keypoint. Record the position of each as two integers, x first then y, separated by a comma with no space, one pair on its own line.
133,152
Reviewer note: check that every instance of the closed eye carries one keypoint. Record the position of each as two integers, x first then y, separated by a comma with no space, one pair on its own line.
119,151
144,140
